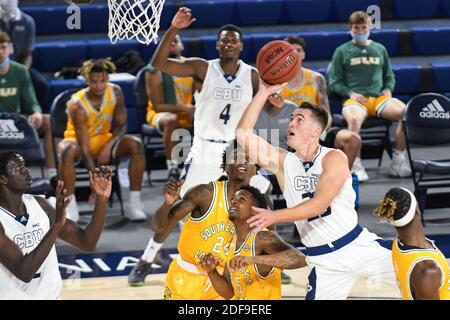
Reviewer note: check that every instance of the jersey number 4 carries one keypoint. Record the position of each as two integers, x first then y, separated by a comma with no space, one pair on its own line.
327,212
225,114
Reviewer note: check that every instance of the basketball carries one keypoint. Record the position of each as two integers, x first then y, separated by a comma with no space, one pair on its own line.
277,62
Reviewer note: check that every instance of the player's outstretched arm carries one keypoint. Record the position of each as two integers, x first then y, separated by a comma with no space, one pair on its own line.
192,67
274,253
221,283
23,266
425,280
85,239
258,149
335,172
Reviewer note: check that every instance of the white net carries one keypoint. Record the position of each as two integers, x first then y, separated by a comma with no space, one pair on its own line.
134,19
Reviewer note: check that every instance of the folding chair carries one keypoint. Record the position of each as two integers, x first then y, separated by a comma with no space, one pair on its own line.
426,124
17,135
58,116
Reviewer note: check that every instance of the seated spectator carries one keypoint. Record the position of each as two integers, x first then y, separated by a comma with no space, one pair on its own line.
360,73
22,31
17,96
310,86
91,137
170,104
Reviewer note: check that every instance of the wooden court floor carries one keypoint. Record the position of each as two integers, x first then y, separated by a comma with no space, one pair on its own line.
117,288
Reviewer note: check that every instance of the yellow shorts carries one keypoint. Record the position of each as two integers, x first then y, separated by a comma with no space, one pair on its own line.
373,105
96,142
184,120
184,285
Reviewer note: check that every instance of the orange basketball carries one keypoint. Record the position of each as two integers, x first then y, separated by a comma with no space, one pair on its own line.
277,62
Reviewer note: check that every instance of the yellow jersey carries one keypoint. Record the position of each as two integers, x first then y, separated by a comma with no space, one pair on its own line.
405,260
183,95
98,121
306,93
210,233
247,282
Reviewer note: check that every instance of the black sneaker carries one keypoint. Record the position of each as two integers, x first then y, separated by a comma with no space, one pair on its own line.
137,276
285,279
174,173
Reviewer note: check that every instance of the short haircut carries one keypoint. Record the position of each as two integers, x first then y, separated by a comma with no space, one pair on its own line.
296,40
359,17
4,38
97,65
259,200
6,157
230,27
320,114
228,154
394,206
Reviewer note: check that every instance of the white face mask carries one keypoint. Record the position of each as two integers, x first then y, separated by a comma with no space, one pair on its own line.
9,9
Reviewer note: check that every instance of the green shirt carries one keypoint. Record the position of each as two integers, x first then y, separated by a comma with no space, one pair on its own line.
362,69
16,91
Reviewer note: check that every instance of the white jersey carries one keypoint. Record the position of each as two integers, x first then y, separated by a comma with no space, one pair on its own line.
220,103
301,179
47,282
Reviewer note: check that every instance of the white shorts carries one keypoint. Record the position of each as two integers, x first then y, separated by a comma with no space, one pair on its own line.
333,275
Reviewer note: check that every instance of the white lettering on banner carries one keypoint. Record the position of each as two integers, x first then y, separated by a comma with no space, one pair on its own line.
8,130
434,110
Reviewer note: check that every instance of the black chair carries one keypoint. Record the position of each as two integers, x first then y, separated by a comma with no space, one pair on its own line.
427,123
155,156
17,135
58,116
374,137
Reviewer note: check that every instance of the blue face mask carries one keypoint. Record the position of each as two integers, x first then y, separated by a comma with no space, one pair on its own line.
360,38
4,63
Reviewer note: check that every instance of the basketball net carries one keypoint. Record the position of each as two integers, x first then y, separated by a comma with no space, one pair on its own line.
134,19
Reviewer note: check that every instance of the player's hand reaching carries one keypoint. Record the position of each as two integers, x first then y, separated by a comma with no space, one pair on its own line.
100,180
61,204
208,262
239,262
268,90
183,18
171,191
262,219
276,100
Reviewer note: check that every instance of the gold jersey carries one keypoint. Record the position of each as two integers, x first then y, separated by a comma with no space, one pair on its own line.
248,283
405,259
210,233
98,121
183,94
306,93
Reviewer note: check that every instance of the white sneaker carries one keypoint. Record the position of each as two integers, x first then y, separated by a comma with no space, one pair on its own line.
124,179
359,171
72,211
400,165
134,211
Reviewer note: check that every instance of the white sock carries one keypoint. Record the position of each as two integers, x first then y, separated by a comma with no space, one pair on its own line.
398,152
171,164
51,172
151,251
135,196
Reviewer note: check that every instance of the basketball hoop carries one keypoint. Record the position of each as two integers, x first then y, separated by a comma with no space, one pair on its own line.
134,19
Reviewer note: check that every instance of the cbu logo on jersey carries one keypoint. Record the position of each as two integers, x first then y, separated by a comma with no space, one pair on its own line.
227,93
29,239
306,183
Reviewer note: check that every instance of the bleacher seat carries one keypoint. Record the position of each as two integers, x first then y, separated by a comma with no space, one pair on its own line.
407,78
344,8
441,72
428,41
409,9
102,48
212,13
260,12
52,55
300,11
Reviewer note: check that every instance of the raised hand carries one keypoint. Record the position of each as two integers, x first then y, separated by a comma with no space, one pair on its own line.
100,180
276,100
61,204
262,219
183,18
208,262
239,262
171,191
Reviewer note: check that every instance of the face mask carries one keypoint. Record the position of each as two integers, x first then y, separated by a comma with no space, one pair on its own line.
4,63
360,38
